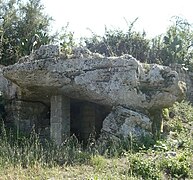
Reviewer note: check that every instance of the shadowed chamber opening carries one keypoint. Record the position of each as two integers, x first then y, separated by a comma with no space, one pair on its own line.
86,119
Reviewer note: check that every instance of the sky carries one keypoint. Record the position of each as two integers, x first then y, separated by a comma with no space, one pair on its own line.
153,15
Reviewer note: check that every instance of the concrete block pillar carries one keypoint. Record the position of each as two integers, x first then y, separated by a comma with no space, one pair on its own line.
60,118
87,120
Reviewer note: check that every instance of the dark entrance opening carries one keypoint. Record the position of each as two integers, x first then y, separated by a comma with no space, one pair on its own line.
86,119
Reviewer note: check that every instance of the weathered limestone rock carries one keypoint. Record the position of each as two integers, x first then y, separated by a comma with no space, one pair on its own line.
120,82
46,51
29,115
21,113
8,92
107,81
125,122
7,88
83,52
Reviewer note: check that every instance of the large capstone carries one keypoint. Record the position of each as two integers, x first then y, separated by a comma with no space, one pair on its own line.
105,81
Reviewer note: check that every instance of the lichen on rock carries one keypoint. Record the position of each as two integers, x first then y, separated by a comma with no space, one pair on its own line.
109,81
125,122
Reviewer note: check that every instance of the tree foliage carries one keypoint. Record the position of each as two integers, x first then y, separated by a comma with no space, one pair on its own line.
173,46
117,42
20,20
66,40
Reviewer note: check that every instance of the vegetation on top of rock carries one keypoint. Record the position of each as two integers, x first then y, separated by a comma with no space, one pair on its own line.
116,42
24,26
173,46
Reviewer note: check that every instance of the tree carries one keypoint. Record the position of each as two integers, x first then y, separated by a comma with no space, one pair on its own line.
33,22
176,45
19,22
8,27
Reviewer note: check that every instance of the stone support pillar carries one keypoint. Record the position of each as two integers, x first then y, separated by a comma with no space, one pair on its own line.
87,120
60,118
157,122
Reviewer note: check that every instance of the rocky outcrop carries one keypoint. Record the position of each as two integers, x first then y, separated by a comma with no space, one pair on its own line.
125,122
8,92
120,82
20,112
108,81
7,88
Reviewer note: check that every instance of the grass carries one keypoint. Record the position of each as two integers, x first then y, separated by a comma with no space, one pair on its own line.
171,157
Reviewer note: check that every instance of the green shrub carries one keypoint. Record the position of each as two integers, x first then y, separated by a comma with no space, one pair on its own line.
183,111
116,42
143,167
181,118
116,147
177,167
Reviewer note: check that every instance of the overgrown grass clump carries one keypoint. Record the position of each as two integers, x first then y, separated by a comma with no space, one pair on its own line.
171,157
28,151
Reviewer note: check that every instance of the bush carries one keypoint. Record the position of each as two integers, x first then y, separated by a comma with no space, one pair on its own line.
177,167
116,42
116,147
181,118
143,167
